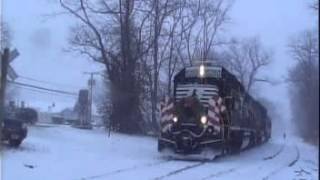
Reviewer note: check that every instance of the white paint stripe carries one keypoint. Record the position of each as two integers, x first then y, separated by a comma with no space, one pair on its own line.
166,128
223,108
216,119
216,110
214,116
167,117
211,102
211,114
170,106
213,124
219,101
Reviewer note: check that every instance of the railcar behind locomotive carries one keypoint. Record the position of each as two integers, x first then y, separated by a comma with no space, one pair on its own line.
210,113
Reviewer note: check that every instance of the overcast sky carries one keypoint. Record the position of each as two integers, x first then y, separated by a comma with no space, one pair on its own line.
40,41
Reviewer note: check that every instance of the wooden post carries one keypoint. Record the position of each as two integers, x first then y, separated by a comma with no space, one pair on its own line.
4,71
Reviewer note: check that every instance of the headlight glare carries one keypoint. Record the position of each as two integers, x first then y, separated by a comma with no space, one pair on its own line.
201,70
203,120
175,119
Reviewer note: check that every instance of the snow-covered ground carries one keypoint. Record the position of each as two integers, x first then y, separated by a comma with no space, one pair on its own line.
64,153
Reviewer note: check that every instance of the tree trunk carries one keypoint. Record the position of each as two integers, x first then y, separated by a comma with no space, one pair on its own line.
126,115
154,93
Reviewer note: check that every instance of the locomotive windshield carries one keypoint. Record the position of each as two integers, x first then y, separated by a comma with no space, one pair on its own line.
209,72
202,79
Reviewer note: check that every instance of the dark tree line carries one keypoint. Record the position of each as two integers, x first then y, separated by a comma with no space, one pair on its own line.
304,86
246,58
304,81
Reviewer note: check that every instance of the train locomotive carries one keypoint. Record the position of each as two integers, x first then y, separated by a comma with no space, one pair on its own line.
210,114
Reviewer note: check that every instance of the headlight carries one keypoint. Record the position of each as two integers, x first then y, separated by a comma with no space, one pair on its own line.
201,70
203,119
175,119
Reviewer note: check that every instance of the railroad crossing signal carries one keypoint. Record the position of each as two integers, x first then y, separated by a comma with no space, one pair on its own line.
13,54
11,72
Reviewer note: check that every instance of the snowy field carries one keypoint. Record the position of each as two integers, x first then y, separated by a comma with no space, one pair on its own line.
64,153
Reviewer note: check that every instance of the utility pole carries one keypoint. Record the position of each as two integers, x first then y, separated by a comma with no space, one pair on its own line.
91,83
4,70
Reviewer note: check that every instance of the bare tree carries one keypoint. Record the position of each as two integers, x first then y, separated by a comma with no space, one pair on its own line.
304,89
172,53
246,59
167,44
177,26
201,29
111,33
315,5
161,11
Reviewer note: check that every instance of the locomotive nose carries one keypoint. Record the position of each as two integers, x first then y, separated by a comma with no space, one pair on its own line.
185,142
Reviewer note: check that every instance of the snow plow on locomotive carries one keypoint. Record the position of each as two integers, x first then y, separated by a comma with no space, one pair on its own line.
210,114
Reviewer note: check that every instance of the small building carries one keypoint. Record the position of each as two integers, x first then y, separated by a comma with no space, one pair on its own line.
69,116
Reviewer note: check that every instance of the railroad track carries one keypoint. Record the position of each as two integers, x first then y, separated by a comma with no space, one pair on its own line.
290,164
189,167
122,170
181,169
233,169
219,173
275,154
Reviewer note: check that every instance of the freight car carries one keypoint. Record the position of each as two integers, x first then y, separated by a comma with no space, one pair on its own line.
210,113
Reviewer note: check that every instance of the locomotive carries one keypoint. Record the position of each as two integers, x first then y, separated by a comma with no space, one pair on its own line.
210,114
